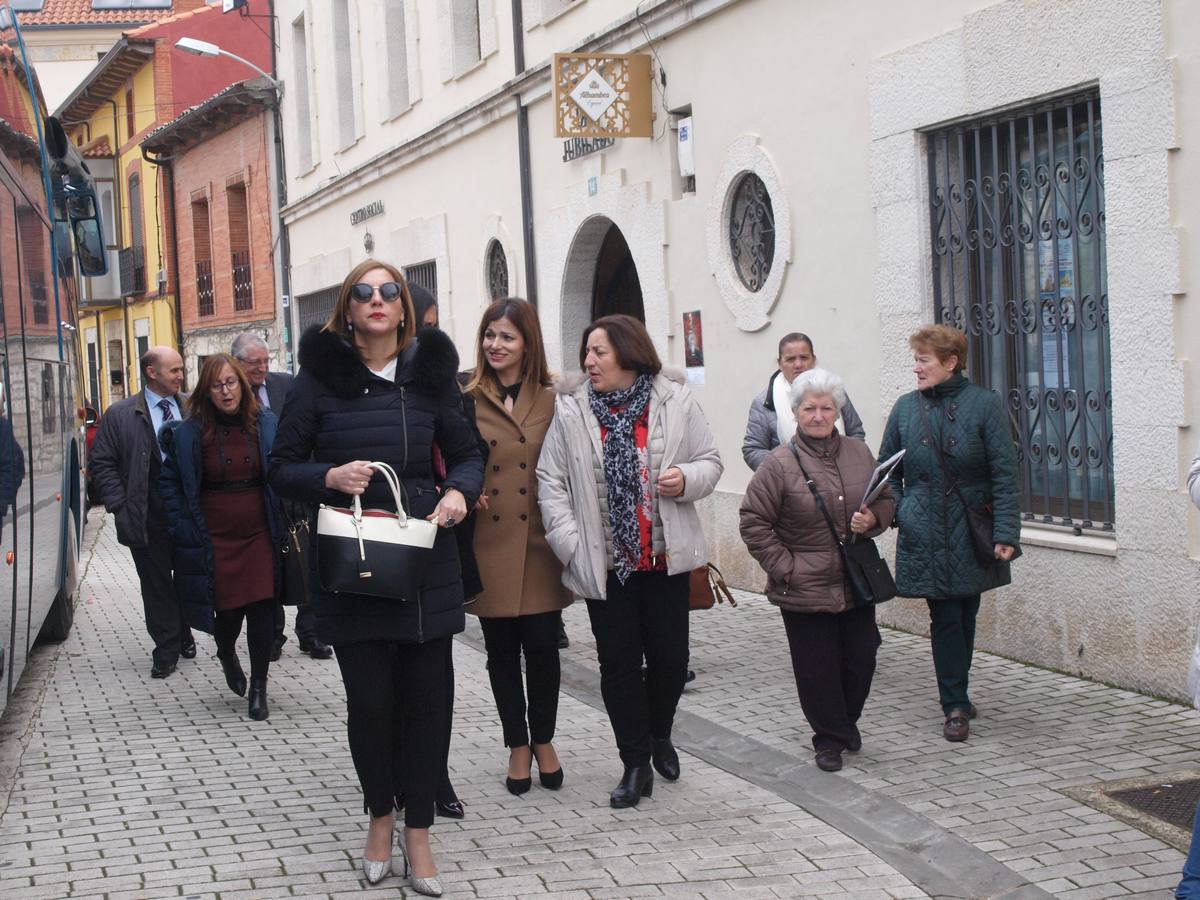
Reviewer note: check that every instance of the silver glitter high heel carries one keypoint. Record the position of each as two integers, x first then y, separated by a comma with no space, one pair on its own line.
376,870
429,887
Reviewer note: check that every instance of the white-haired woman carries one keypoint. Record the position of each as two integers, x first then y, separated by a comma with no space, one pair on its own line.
833,644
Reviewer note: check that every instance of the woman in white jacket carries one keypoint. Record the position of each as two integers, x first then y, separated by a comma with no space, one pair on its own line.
626,457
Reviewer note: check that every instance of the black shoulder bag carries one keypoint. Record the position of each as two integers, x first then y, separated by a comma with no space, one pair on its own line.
979,521
868,578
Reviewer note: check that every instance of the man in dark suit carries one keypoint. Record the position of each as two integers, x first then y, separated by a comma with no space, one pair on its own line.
125,463
271,389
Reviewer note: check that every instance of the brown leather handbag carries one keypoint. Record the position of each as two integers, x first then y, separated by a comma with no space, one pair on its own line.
706,587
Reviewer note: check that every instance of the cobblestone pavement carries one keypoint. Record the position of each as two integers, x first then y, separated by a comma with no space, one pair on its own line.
130,787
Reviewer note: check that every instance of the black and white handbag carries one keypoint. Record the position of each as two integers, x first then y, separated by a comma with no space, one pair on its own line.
374,551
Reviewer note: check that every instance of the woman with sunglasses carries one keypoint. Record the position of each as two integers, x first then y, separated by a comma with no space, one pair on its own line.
370,389
223,520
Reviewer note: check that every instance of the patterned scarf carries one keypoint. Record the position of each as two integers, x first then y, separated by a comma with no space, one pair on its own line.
621,467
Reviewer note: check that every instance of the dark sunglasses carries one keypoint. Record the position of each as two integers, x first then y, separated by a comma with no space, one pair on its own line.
362,292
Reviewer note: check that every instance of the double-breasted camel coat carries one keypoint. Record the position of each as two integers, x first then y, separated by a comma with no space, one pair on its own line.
521,575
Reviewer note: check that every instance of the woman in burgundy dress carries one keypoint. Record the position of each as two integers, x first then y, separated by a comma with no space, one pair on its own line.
223,520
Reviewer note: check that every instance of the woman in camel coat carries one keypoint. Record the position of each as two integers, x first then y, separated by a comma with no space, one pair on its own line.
522,593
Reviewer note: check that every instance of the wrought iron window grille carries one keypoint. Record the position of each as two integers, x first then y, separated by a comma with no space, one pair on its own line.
497,271
205,300
243,288
131,261
752,231
1017,230
424,274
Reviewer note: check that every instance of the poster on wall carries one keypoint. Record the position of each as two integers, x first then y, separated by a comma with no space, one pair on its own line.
693,347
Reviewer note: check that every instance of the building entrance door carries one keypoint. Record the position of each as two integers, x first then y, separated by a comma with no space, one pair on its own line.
617,288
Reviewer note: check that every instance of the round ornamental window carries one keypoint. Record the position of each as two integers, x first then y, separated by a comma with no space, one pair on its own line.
752,231
497,271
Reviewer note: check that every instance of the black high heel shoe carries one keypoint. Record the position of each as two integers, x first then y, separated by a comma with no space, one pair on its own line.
636,783
518,786
234,676
551,780
447,803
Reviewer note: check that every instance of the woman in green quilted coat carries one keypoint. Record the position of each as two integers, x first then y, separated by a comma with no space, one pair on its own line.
935,557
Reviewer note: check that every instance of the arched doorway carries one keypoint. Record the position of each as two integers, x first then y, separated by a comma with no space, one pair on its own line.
600,279
617,288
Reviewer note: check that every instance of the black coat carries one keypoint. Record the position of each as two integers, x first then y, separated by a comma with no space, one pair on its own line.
180,483
339,411
120,466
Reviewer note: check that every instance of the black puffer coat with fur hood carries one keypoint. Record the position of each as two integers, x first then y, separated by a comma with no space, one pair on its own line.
339,411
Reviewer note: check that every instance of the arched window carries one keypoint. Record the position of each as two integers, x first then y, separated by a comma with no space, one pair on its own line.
752,231
137,233
497,271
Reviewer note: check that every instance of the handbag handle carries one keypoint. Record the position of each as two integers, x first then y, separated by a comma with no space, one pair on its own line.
817,495
389,475
720,589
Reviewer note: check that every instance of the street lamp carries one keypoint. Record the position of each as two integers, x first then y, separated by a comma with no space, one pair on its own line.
204,48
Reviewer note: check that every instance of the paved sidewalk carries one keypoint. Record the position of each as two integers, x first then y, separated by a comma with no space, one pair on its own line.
137,788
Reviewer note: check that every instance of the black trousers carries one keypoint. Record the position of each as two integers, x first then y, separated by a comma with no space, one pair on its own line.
537,637
833,660
952,634
396,708
259,620
644,619
306,623
164,616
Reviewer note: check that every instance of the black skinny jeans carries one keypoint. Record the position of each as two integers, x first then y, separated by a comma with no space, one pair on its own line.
260,630
833,661
396,709
646,618
506,638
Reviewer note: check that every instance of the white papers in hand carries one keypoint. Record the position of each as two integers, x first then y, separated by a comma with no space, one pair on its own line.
879,478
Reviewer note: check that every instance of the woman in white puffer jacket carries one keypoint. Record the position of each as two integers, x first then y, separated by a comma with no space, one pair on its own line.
627,455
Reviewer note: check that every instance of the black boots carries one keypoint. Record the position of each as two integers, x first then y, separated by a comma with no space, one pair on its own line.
665,759
234,676
636,783
258,699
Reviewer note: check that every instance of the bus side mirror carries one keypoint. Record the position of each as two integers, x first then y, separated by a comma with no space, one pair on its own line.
89,247
75,196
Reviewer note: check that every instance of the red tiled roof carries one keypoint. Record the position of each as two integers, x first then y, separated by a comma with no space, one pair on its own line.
97,149
80,12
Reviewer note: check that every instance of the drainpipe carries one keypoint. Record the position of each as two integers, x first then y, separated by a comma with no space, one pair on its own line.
523,157
118,177
285,251
163,163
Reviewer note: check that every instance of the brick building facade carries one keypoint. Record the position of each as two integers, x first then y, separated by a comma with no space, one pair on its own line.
220,158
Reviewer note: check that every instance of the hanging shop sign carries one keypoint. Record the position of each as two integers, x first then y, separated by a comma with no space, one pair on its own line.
602,95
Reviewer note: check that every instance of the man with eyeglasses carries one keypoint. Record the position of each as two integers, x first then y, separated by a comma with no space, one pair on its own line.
271,389
124,465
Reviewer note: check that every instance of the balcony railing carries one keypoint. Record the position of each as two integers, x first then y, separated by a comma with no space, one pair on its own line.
132,262
204,288
243,290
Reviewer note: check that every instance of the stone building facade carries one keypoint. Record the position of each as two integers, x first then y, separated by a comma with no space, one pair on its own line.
1022,170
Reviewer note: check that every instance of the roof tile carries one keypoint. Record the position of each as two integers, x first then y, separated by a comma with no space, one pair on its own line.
80,12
